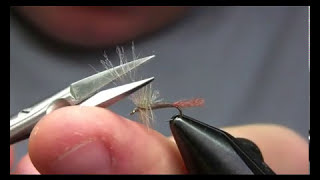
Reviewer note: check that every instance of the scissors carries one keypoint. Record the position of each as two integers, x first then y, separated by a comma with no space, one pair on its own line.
84,92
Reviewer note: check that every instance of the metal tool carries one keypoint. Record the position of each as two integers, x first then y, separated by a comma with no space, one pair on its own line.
82,92
209,150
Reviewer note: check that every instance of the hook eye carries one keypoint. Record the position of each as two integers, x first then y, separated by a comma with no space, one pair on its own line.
59,103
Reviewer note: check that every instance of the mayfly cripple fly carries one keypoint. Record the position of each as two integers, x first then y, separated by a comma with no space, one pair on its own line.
147,99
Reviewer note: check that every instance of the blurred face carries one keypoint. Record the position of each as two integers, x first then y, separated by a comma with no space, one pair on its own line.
97,26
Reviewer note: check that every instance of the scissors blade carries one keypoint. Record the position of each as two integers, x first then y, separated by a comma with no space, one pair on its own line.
84,88
110,96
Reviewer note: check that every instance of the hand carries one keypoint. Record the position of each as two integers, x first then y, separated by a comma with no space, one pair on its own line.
91,140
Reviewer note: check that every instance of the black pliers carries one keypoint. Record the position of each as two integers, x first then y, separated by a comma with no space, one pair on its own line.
209,150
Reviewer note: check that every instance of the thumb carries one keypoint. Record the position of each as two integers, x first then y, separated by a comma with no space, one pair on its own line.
90,140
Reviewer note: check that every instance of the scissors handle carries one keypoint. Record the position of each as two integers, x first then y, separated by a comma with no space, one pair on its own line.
22,123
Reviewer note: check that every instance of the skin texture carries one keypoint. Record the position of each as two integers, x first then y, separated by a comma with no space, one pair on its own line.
83,140
91,140
25,166
99,26
11,156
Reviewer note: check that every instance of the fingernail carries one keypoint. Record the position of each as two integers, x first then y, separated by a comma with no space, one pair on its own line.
86,158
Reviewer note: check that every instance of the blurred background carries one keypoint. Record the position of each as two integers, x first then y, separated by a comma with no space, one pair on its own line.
250,64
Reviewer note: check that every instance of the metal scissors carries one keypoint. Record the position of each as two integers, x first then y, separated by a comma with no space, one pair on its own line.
84,92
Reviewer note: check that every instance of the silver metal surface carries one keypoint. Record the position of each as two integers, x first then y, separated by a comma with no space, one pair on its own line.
110,96
22,123
86,87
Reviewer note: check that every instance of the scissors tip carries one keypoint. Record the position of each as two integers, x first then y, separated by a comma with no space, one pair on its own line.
152,56
82,89
142,60
110,96
148,80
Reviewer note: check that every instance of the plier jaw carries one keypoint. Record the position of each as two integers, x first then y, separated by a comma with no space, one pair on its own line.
209,150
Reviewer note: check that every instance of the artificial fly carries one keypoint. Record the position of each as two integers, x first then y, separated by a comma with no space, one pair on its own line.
147,99
179,105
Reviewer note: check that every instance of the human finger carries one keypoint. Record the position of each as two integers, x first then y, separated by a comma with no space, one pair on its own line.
91,140
283,150
11,156
25,166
